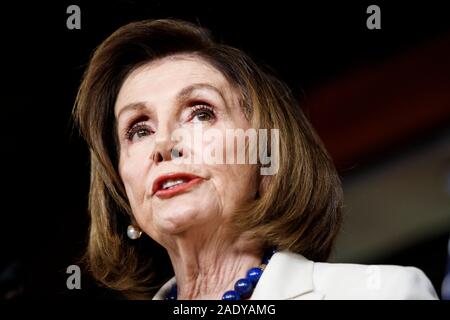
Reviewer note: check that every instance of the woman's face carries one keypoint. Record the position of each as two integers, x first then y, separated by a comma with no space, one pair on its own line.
167,197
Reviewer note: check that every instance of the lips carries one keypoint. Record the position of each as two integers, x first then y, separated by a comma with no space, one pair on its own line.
172,184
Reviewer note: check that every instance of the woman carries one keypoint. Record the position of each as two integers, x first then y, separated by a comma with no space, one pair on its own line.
166,223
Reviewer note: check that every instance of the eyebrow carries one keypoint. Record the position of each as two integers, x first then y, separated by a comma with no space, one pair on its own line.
132,106
181,96
186,92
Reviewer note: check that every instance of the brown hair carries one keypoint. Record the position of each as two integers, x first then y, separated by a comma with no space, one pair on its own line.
300,207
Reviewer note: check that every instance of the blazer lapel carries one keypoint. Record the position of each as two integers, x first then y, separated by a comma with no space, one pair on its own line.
287,276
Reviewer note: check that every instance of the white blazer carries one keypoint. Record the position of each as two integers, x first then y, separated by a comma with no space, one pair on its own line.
290,276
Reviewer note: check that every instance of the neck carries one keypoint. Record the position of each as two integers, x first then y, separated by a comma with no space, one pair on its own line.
207,269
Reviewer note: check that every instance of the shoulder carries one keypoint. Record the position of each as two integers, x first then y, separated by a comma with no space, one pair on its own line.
358,281
292,276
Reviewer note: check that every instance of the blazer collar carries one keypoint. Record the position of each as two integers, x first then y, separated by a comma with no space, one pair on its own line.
287,275
164,290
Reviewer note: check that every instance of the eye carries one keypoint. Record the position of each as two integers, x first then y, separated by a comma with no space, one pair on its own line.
201,113
138,131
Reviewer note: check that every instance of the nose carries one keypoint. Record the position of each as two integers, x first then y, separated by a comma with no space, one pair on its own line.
166,149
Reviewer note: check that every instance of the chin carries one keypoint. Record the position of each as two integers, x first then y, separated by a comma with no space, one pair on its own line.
177,217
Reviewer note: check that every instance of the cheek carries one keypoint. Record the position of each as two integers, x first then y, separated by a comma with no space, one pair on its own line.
235,181
132,168
237,184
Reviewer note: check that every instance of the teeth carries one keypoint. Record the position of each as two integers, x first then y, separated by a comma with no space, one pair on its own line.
170,183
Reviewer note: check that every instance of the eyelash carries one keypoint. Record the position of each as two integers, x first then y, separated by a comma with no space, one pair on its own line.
135,128
196,109
202,107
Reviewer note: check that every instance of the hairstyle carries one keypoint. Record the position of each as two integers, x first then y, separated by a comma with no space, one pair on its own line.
300,206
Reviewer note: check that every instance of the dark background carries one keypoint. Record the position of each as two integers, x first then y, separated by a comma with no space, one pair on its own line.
313,46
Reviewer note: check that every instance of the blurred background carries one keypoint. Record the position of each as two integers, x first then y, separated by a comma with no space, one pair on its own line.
380,100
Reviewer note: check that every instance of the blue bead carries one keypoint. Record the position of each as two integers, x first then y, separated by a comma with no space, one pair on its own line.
173,293
253,275
231,295
244,287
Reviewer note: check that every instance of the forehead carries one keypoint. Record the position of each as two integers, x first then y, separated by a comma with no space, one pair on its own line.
165,77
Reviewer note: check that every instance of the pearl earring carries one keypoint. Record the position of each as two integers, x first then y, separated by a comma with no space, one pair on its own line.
133,232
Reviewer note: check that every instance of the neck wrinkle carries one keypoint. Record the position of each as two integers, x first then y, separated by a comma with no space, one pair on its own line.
208,271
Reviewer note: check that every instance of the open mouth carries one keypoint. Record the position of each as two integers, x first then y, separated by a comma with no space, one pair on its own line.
172,184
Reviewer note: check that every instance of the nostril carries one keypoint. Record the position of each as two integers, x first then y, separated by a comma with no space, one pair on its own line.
167,155
176,153
158,157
